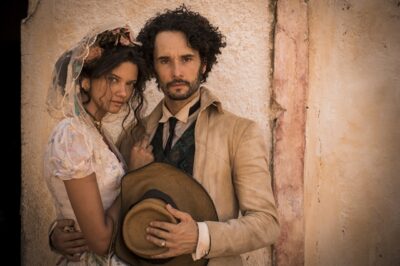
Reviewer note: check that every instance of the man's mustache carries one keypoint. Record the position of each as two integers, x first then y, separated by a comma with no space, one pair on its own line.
177,81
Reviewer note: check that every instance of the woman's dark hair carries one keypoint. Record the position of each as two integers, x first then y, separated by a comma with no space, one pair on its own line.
112,57
200,34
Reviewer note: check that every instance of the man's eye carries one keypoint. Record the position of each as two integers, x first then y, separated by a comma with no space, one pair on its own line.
187,59
164,61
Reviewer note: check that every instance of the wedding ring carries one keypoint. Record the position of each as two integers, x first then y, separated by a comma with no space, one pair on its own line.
163,243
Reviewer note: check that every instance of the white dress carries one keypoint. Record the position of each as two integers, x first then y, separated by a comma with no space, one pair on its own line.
76,150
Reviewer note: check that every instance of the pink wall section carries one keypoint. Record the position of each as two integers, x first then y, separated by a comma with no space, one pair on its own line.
290,84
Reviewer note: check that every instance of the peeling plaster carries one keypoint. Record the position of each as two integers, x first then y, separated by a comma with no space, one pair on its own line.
273,104
288,108
33,6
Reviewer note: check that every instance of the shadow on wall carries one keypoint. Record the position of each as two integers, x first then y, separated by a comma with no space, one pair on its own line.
12,12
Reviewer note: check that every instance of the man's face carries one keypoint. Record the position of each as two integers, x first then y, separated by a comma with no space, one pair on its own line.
178,67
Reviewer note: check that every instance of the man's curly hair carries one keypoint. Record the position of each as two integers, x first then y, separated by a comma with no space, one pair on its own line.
201,35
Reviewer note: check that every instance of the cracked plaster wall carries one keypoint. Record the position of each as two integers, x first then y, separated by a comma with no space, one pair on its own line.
353,134
241,80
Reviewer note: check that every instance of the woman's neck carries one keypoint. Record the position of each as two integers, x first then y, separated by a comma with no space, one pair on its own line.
94,112
96,115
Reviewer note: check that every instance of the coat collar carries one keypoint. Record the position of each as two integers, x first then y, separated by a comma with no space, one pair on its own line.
208,100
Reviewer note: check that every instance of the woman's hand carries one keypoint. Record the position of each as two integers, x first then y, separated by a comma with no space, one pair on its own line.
67,241
141,154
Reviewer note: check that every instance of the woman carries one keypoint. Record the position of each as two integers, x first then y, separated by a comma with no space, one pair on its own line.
102,75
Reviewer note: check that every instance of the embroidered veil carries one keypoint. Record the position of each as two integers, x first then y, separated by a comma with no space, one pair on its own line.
64,97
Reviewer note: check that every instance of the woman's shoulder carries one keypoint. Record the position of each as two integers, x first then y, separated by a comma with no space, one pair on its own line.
69,124
69,129
69,151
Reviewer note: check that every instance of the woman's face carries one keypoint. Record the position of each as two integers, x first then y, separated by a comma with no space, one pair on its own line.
110,92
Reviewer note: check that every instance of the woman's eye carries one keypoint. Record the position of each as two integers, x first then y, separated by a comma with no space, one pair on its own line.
112,80
131,86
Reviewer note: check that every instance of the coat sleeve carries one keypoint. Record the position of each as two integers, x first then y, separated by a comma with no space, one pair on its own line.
125,142
258,225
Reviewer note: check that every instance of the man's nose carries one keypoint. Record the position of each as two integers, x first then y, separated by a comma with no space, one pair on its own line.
177,69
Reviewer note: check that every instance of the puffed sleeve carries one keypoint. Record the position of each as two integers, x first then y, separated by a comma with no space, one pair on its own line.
70,152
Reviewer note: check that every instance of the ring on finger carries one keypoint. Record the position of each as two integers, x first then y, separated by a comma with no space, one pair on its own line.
163,243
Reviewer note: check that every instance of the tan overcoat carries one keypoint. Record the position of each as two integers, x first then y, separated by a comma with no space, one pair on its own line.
231,163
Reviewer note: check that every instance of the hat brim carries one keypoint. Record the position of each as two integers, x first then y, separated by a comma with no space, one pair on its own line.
188,195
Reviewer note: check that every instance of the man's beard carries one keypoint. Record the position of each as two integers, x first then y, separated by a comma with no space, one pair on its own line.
193,87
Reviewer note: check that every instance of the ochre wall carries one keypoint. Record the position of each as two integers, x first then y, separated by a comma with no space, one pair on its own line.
352,167
241,79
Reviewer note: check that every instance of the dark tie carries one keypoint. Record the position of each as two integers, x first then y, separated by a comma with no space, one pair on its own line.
172,123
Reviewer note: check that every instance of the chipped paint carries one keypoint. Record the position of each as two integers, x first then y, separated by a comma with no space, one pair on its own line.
33,6
290,83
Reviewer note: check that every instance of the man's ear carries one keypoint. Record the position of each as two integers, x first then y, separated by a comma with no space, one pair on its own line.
85,84
203,67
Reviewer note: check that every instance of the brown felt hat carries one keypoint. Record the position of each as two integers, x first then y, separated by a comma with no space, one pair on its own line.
144,194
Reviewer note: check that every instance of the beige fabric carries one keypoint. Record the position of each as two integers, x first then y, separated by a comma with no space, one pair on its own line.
231,164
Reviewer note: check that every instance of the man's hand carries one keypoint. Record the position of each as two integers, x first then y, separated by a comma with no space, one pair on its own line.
141,154
67,241
179,238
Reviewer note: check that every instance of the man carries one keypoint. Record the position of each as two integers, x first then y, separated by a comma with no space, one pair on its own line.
189,129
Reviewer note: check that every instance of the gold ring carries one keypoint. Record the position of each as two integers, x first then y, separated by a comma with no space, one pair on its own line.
163,243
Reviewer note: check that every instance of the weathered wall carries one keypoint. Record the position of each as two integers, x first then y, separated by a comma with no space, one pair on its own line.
241,80
353,134
290,84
